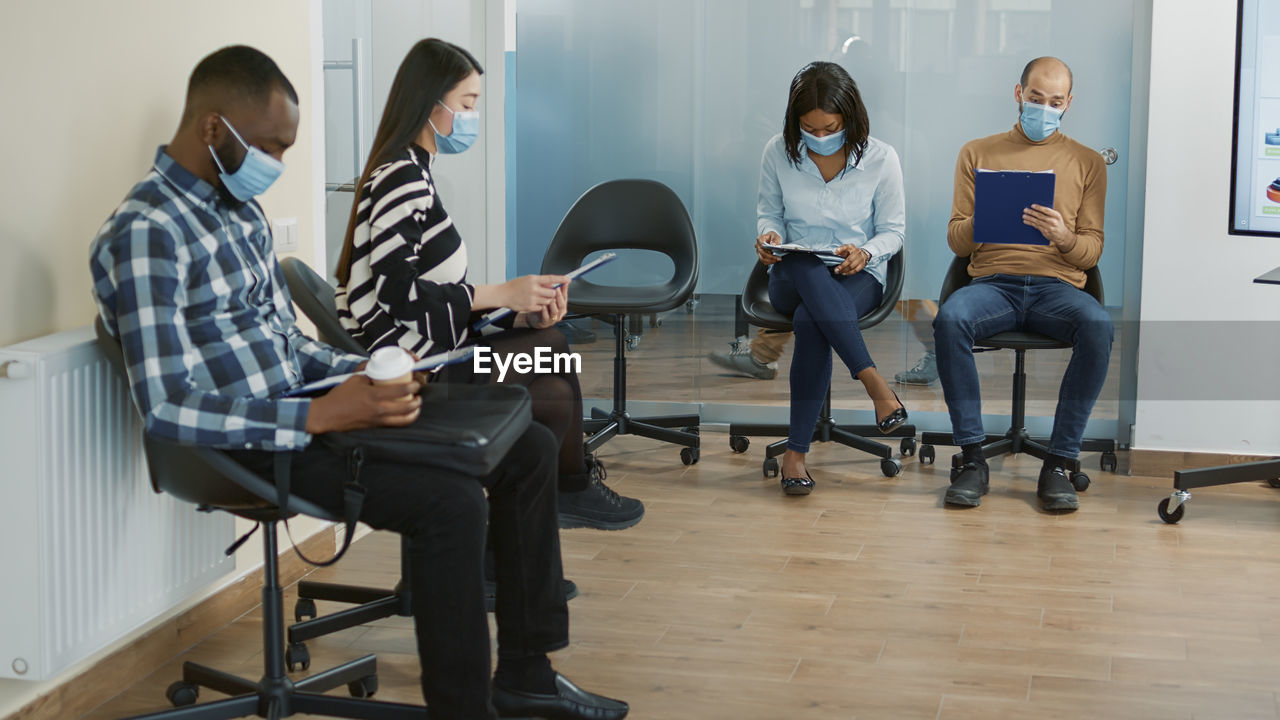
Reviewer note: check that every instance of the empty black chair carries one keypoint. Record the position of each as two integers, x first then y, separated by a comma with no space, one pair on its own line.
759,311
211,480
620,215
1016,439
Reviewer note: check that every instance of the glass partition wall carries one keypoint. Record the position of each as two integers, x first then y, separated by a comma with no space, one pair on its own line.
687,92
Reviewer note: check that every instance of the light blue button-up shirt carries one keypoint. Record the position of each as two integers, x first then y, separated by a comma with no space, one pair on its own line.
863,205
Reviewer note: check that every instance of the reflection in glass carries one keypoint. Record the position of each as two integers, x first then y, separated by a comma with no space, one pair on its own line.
687,92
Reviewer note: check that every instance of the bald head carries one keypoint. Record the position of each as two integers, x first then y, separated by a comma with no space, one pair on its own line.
1050,69
1045,81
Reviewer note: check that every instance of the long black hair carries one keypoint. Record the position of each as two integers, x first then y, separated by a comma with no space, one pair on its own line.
432,68
826,86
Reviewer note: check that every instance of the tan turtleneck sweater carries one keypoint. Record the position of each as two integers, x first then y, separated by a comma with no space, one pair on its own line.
1079,194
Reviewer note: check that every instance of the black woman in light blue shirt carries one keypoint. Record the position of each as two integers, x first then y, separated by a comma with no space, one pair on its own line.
827,185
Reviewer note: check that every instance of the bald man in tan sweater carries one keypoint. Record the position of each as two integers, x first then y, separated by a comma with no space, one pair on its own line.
1028,287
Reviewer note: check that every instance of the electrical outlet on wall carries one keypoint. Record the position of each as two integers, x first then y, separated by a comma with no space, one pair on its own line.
284,232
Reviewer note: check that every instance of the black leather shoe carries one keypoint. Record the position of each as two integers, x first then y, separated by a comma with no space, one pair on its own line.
1055,490
798,485
969,486
895,419
569,702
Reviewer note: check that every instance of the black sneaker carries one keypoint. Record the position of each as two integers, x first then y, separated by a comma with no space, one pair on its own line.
598,506
969,486
1056,491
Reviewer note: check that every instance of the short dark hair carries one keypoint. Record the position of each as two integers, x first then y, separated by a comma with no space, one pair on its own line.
235,74
1026,71
828,87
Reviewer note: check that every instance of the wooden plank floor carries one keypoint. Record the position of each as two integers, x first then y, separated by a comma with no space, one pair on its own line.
869,599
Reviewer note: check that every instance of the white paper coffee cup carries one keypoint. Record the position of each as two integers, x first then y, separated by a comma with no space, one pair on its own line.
389,366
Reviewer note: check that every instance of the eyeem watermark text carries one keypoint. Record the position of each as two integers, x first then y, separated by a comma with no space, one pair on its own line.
542,362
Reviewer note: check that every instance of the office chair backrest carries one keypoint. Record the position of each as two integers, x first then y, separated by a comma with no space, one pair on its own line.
315,297
200,475
958,276
626,215
755,297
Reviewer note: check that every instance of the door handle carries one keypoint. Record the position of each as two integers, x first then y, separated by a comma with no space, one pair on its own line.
1109,155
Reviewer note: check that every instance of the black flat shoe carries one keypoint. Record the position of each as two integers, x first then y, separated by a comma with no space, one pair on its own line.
895,419
569,702
798,485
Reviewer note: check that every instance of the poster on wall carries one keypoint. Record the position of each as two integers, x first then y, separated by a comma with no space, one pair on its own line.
1255,150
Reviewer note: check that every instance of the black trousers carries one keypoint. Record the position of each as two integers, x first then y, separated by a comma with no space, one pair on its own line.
443,514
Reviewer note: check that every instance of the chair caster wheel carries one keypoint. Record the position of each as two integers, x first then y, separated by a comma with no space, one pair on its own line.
927,454
691,429
772,468
1108,462
890,466
1079,481
297,657
689,456
304,609
182,693
365,687
1170,517
633,342
1274,482
739,443
907,447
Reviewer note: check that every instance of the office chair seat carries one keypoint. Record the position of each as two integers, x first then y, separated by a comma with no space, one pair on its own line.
759,311
588,298
1022,340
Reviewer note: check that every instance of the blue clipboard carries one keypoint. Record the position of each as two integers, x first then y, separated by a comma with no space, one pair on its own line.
999,197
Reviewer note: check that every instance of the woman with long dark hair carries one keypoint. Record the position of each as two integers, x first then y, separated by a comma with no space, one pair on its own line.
402,276
403,270
827,185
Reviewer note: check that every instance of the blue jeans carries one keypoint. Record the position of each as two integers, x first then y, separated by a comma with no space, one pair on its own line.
1047,305
825,309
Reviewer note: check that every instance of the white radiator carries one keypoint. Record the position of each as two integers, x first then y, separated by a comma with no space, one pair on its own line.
88,552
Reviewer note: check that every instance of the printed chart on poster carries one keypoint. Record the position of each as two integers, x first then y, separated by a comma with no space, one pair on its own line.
1255,152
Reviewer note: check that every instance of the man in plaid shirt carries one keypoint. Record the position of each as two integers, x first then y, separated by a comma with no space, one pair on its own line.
185,276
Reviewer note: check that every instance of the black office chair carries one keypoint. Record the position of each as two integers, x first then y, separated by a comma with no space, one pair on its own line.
211,480
1016,439
759,311
617,215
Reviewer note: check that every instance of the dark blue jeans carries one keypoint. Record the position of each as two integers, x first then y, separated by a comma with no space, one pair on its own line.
998,303
825,309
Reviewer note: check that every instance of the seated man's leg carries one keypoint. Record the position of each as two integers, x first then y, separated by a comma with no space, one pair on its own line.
978,310
1066,313
532,616
975,311
443,515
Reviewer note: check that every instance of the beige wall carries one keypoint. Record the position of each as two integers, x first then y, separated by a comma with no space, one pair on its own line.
91,89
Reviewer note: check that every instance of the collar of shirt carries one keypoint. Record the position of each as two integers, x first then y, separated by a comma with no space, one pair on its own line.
206,196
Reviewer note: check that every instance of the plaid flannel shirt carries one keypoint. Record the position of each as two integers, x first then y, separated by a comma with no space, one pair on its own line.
189,283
